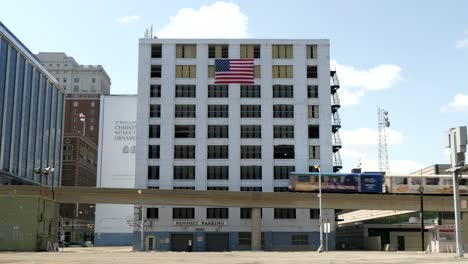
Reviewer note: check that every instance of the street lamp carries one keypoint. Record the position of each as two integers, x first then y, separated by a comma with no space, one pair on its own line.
317,168
421,213
142,238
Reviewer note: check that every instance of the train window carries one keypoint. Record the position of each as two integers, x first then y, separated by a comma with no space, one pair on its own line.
447,181
432,181
416,181
401,180
303,178
463,182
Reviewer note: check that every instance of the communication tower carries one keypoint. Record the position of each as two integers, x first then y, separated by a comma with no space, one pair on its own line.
383,154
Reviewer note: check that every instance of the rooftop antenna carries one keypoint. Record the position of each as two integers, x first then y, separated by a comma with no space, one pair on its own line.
149,32
383,153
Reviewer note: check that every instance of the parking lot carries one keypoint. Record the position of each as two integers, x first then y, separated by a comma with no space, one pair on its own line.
114,255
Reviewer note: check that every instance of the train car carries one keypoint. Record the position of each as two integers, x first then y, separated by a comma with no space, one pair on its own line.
433,184
336,182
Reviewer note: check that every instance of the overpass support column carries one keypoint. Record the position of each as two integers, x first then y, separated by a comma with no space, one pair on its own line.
256,229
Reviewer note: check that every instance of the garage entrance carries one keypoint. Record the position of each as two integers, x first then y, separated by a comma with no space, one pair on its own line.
181,242
217,242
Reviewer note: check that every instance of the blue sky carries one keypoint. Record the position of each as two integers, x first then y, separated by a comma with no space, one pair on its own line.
409,57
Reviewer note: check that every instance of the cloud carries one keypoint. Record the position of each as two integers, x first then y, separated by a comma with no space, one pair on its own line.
459,104
128,19
219,20
462,43
396,166
355,83
367,136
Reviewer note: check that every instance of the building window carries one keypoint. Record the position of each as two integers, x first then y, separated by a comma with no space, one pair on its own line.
218,51
218,173
218,131
155,90
64,80
211,71
251,152
282,71
311,71
284,152
184,172
312,91
75,111
217,188
91,128
314,131
93,80
154,131
251,111
91,112
283,131
76,88
184,131
251,172
250,91
251,131
282,172
246,213
250,51
314,152
153,152
251,189
283,111
187,111
155,110
313,111
283,91
153,172
285,213
314,213
188,51
155,71
185,91
311,51
156,51
76,80
257,71
282,51
91,119
153,187
218,111
217,213
184,152
218,91
75,103
183,213
186,71
183,188
218,152
281,189
299,240
152,213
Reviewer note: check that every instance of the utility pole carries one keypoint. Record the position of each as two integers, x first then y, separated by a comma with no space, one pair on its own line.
320,249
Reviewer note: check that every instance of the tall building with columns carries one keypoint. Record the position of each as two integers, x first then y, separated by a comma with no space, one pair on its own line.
195,133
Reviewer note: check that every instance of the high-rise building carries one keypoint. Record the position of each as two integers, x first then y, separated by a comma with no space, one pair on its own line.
196,132
31,116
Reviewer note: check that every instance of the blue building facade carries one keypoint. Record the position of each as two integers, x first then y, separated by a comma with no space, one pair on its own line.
31,116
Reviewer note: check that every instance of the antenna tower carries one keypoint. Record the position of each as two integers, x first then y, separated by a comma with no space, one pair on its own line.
383,154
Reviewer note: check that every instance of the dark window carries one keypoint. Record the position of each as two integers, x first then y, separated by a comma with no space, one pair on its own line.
251,152
218,152
283,91
183,213
153,152
251,172
185,111
185,91
284,152
184,172
300,239
251,131
283,111
217,188
155,90
312,91
219,91
218,173
313,169
285,213
282,172
218,111
281,189
154,131
183,188
156,51
314,131
311,71
218,51
257,52
153,172
314,213
251,111
184,131
246,213
245,238
217,213
155,110
184,152
218,131
283,131
250,91
251,189
152,213
155,71
153,187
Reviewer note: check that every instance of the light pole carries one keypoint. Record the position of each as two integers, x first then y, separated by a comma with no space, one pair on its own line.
142,237
320,249
421,214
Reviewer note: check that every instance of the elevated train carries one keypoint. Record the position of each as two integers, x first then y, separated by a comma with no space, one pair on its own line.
374,183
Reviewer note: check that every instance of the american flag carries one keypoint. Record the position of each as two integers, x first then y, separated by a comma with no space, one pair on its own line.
234,71
82,117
